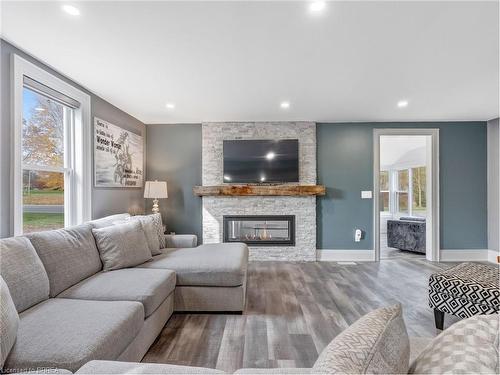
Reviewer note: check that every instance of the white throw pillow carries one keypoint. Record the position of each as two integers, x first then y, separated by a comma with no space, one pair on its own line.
9,322
122,245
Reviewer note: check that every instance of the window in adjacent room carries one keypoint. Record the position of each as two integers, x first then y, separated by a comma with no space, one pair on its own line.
402,192
419,191
384,191
52,151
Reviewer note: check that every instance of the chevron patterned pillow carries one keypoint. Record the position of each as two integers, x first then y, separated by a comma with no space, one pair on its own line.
467,347
375,344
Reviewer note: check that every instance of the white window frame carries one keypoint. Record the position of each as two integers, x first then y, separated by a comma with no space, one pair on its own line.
78,175
397,192
389,178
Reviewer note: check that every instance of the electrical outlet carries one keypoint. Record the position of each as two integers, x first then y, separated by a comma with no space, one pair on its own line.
357,235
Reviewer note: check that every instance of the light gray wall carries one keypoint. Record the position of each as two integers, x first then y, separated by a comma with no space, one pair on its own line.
174,155
345,166
493,185
104,201
107,201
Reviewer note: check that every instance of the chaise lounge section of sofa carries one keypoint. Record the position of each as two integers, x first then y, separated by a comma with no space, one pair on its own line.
71,311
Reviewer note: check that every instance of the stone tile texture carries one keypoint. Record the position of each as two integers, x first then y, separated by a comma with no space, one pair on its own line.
304,208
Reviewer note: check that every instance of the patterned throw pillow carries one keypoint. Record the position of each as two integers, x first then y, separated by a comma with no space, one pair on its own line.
158,224
467,347
375,344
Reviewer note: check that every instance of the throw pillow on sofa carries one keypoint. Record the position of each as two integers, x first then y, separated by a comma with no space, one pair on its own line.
122,245
23,272
158,224
469,346
69,255
150,227
108,220
9,322
375,344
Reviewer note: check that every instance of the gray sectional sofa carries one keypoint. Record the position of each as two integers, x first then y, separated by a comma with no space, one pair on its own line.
71,311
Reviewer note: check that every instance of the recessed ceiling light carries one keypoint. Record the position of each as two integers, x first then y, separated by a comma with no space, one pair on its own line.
170,106
285,105
270,155
403,103
317,6
70,9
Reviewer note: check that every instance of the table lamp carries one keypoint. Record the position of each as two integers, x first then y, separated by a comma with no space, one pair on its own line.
156,190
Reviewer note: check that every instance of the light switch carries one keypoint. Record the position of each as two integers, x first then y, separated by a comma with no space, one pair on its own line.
366,194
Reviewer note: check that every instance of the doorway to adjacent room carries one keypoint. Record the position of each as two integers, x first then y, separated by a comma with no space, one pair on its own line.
406,214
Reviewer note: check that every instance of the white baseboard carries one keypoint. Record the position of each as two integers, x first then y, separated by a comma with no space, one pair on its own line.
336,255
464,255
492,256
451,255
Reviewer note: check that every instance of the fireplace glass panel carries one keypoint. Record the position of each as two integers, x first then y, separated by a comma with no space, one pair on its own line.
260,230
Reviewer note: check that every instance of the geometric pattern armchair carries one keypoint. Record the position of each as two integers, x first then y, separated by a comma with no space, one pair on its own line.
465,290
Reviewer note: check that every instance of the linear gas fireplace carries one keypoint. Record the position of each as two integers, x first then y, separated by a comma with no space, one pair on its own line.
260,230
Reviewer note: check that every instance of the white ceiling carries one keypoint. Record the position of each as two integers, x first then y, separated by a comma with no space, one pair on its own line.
236,61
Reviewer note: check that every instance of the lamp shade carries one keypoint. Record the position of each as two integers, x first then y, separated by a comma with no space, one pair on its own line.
155,189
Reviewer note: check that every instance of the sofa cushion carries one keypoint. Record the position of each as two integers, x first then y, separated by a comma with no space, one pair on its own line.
467,347
108,220
23,272
122,245
112,367
9,322
375,344
149,287
68,255
66,333
205,265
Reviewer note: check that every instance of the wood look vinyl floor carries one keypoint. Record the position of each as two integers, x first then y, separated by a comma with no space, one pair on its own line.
387,252
294,310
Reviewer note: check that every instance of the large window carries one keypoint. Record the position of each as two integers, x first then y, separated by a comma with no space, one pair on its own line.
52,151
46,125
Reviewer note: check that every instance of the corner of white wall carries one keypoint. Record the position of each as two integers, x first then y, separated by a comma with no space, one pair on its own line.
493,161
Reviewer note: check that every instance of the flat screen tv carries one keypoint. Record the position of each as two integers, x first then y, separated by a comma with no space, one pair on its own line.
261,161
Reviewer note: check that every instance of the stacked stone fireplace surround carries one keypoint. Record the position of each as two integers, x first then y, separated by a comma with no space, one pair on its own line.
304,208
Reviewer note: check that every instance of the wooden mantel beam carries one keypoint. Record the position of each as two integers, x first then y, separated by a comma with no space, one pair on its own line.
259,190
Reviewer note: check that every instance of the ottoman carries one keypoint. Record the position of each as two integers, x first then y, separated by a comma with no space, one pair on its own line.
464,290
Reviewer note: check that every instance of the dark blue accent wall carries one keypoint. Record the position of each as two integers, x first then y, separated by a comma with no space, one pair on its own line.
174,155
345,166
